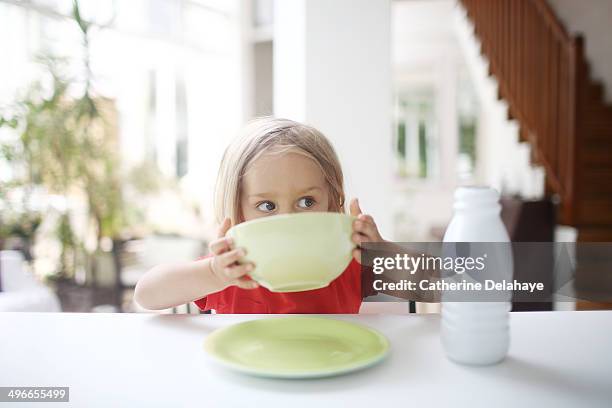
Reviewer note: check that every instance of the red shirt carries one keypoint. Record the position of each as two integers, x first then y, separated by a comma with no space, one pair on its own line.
342,295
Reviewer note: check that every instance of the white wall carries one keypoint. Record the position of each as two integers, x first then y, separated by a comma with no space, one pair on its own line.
592,18
263,60
257,64
290,59
333,70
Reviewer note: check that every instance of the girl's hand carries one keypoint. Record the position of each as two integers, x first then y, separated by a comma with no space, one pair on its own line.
224,264
364,229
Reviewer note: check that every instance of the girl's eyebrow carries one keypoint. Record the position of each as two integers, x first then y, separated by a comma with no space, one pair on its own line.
271,193
261,195
311,189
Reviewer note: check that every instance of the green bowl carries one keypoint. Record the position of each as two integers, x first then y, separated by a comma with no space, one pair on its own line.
296,252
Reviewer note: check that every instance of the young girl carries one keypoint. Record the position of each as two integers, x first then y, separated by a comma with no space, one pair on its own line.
275,166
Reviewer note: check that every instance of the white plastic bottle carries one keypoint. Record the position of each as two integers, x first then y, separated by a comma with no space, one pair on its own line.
478,332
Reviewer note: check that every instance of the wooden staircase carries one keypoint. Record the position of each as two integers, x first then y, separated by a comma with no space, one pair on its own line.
544,77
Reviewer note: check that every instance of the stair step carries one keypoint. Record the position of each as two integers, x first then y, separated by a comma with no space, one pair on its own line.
535,158
596,183
598,134
597,155
510,114
523,136
598,112
598,122
595,91
596,211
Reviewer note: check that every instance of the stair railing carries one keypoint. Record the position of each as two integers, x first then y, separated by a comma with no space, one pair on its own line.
540,71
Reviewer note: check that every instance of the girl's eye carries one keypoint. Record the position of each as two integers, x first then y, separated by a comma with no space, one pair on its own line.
306,202
266,206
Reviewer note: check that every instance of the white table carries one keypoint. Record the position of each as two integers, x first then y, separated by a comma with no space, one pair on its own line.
557,359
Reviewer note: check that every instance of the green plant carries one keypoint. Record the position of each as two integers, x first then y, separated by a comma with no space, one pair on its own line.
19,224
67,143
69,243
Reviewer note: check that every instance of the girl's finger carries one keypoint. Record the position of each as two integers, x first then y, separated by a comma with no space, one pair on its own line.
237,271
354,208
357,254
366,228
225,225
220,245
366,218
231,257
246,283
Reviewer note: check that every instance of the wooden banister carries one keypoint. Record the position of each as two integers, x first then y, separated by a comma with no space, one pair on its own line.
552,21
540,71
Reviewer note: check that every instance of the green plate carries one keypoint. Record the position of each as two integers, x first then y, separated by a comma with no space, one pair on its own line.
296,347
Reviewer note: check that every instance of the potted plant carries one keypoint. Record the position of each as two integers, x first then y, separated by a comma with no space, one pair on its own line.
67,144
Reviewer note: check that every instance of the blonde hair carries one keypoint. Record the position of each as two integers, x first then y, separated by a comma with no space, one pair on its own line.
268,134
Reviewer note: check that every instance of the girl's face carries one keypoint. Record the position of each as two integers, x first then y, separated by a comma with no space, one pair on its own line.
282,184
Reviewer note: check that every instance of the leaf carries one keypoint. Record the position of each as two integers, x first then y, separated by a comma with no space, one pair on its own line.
76,14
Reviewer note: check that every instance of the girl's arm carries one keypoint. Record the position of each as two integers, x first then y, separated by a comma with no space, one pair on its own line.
166,286
171,285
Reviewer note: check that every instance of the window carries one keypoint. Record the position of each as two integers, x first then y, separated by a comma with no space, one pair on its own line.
467,106
182,141
415,134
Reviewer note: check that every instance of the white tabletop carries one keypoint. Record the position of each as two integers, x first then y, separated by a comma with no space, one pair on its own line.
556,359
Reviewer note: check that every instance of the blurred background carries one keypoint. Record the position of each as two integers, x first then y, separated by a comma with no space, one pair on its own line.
114,115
